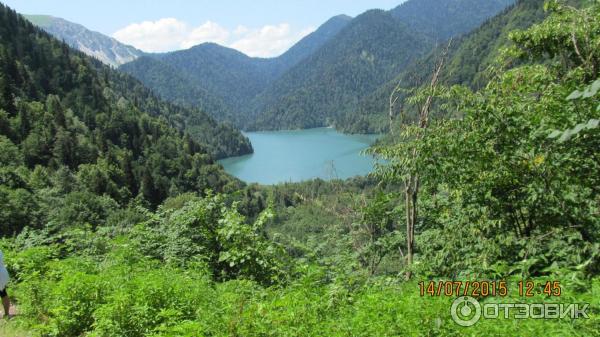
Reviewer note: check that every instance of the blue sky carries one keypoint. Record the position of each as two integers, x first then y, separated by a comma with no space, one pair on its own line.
257,27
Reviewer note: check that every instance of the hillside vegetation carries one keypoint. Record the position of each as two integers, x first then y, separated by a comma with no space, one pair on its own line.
443,19
469,58
73,130
97,95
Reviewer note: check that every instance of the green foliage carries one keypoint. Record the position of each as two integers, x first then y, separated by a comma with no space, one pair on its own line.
81,208
208,232
19,209
155,301
377,235
581,128
589,91
569,48
9,153
495,189
118,297
566,135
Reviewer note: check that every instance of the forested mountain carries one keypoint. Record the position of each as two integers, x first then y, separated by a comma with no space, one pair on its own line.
178,87
310,44
70,123
467,60
220,80
443,19
307,95
224,72
220,140
367,52
215,71
100,46
322,78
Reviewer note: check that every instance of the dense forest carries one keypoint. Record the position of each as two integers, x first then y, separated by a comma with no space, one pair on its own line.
178,87
35,69
372,48
370,51
465,14
119,224
80,130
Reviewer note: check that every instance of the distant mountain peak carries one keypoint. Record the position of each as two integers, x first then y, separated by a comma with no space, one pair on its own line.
104,48
213,47
341,17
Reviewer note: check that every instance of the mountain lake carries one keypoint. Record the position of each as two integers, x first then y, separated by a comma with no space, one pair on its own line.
293,156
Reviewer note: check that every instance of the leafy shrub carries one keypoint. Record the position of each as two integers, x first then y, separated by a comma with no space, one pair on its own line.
209,232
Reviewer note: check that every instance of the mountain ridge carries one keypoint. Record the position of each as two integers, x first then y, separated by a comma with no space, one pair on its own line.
95,44
215,69
311,93
281,100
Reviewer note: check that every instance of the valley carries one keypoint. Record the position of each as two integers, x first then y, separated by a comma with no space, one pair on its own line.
344,186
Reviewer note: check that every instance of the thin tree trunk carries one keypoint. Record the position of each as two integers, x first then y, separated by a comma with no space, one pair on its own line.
409,227
412,182
393,100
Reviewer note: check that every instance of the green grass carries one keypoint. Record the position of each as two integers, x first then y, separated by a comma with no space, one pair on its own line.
83,296
13,329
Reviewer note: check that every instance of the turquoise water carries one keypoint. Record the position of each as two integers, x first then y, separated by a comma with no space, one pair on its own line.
284,156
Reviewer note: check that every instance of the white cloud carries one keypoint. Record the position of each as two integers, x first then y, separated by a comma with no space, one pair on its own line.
240,30
269,40
170,34
208,32
154,36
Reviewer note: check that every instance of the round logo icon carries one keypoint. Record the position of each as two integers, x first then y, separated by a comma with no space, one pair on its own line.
465,311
